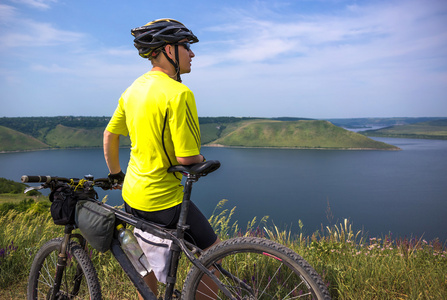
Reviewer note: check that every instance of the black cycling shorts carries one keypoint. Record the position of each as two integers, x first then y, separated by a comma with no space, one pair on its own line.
199,233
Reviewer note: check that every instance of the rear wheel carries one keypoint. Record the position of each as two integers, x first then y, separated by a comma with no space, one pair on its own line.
254,268
79,280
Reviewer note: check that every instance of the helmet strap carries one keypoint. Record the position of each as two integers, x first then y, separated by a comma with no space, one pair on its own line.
174,63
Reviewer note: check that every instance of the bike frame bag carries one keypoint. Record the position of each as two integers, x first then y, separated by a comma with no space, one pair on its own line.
96,223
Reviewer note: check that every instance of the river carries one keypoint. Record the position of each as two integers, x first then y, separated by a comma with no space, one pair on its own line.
381,192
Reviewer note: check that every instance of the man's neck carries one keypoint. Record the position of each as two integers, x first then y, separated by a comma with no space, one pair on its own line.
167,71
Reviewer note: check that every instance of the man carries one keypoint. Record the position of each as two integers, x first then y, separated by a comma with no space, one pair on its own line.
159,114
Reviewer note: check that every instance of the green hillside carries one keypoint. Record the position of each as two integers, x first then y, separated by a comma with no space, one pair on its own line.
69,137
12,140
296,134
73,132
424,130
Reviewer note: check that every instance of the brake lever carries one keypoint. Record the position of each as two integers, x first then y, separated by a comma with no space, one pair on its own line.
30,188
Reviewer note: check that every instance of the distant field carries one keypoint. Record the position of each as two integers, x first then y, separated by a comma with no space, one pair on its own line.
424,130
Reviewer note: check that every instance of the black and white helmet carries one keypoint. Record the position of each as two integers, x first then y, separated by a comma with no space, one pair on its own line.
158,33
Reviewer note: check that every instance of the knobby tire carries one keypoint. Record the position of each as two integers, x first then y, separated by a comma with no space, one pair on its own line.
43,270
255,268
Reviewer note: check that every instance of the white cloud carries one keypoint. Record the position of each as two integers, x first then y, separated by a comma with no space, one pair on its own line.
393,30
53,68
7,13
39,4
37,34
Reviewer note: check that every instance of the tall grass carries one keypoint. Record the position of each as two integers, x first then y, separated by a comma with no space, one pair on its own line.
352,265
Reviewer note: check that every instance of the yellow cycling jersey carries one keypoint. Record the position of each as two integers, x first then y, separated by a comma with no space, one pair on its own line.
160,116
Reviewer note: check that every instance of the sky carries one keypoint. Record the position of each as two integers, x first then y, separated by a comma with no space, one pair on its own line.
277,58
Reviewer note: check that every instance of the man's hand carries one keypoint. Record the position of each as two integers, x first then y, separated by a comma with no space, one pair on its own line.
117,180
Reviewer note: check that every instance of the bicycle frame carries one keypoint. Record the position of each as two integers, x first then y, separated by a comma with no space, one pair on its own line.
303,278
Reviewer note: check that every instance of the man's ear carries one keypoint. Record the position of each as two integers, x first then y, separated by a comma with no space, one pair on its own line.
169,50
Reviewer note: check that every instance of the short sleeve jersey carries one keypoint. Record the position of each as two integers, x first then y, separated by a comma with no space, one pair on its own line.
160,116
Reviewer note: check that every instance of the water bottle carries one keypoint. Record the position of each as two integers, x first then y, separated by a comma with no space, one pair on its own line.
130,246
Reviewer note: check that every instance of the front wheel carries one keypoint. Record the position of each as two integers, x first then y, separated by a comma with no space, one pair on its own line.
255,268
79,280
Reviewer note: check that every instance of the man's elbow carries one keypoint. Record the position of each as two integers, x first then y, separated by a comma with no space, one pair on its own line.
190,160
107,134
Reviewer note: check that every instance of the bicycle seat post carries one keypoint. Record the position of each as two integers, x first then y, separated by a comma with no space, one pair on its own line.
181,225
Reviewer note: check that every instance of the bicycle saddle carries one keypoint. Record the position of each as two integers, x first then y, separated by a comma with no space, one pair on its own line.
201,169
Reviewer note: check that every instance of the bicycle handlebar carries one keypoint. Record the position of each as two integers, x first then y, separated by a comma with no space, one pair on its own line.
44,179
103,183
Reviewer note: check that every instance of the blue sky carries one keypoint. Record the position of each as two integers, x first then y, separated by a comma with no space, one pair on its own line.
297,58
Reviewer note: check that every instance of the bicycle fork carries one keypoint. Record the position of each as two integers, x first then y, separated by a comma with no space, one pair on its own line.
62,263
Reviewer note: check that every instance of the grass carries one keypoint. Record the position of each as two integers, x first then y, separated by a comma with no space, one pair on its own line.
353,266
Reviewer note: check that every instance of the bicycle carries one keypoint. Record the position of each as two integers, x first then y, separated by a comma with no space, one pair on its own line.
240,268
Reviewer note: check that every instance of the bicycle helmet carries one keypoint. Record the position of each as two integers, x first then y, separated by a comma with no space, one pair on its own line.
150,39
158,33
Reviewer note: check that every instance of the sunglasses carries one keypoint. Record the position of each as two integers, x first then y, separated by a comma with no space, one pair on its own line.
187,45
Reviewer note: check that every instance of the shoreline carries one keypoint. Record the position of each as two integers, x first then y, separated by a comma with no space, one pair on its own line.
51,149
301,148
216,146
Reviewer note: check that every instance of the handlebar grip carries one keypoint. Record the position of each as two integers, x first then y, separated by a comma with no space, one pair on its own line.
26,178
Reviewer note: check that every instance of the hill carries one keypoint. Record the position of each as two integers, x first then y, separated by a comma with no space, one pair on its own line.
295,134
35,133
12,140
436,129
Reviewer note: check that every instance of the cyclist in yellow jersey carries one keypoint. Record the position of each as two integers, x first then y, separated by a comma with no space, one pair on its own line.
159,114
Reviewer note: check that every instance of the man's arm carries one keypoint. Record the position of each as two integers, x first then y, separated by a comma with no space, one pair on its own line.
111,151
190,159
